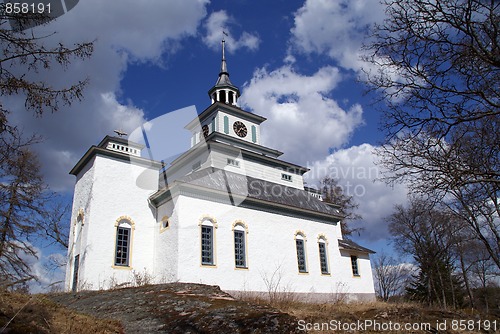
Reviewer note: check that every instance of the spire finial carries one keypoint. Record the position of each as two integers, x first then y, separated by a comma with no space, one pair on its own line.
223,68
223,48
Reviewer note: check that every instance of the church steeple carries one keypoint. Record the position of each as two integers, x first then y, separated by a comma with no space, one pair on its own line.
224,91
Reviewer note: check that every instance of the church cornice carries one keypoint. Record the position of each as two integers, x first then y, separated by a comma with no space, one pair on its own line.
123,141
218,137
261,157
229,109
211,142
95,150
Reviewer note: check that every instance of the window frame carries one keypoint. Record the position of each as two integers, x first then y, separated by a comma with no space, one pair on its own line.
233,163
239,249
207,240
240,227
355,266
119,249
124,222
209,224
324,264
164,224
300,241
76,269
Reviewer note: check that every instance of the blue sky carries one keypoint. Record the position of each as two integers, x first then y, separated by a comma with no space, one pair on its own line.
296,63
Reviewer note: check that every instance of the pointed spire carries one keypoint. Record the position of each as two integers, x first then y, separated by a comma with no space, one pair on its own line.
224,90
224,65
224,74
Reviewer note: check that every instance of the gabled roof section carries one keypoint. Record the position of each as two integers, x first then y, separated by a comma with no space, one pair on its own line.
350,245
213,183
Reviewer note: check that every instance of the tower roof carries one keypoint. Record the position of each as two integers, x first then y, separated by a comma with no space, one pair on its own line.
223,81
223,74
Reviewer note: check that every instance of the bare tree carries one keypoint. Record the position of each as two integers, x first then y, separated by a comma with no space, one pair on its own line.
333,193
391,277
22,197
437,66
23,49
428,235
25,210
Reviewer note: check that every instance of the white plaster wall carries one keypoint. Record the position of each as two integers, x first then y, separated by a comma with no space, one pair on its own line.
78,233
187,167
115,194
166,245
270,249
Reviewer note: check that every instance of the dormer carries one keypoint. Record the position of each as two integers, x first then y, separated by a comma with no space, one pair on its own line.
224,91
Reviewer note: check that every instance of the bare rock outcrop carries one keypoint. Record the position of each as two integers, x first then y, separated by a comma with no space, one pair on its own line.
179,308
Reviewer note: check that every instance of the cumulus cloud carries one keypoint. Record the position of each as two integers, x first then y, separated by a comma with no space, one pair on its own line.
123,32
335,28
299,109
221,21
357,169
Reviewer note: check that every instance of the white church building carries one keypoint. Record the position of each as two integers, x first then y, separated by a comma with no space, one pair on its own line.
226,212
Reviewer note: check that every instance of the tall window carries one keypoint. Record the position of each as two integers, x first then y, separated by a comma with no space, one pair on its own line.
323,260
123,239
207,245
76,268
301,253
354,265
239,249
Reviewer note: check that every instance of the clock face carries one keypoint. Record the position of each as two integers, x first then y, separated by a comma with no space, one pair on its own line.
240,129
205,130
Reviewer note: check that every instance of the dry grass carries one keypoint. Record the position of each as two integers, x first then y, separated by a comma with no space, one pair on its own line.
21,313
381,312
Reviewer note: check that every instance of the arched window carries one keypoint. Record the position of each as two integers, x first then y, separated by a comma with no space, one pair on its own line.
124,227
207,228
165,224
240,244
300,244
78,226
323,255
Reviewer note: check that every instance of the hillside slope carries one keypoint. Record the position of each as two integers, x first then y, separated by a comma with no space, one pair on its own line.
178,308
22,313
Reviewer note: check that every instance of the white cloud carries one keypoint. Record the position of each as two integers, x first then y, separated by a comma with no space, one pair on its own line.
221,21
335,28
358,173
303,121
123,32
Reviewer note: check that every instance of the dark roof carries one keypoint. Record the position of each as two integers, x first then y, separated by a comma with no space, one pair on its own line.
351,245
223,80
251,189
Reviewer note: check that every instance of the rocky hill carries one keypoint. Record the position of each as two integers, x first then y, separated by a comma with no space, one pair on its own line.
197,308
178,308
